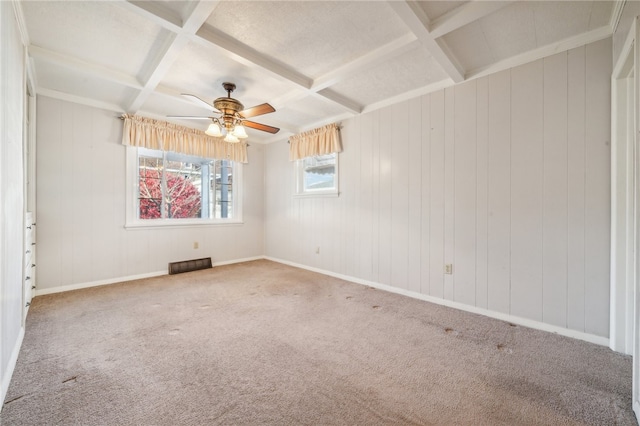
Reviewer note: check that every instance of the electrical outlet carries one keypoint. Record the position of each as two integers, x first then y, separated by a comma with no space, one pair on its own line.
448,269
195,244
317,250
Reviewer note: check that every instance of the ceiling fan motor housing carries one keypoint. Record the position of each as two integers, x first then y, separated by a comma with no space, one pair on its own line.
229,108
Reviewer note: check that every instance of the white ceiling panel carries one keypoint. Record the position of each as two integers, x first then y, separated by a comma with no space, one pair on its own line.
74,82
201,71
511,30
435,9
311,109
173,104
600,14
555,21
411,70
314,61
312,37
103,33
470,46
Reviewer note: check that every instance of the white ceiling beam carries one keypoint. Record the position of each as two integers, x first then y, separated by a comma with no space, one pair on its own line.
541,52
78,99
247,56
346,103
172,49
430,88
418,22
616,14
463,15
378,56
250,57
99,71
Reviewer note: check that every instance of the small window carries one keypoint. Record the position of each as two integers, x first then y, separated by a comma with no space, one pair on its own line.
317,175
176,189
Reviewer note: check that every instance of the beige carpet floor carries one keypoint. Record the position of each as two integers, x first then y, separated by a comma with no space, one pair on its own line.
264,343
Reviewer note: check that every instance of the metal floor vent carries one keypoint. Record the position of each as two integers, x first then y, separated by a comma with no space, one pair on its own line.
189,265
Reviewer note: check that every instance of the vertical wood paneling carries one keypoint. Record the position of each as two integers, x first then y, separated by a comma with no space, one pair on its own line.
499,193
449,189
414,195
597,185
66,197
366,212
436,225
464,237
81,187
105,187
576,173
492,175
425,245
554,267
526,190
482,141
81,205
348,198
385,197
400,195
375,195
49,238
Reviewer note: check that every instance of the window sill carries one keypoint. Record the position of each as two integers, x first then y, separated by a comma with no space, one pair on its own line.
316,194
179,223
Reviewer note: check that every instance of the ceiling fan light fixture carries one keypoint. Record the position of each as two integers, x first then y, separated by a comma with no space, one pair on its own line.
213,130
231,138
239,132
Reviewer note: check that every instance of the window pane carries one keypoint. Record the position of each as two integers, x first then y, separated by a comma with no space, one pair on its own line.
177,186
183,189
222,203
319,172
150,188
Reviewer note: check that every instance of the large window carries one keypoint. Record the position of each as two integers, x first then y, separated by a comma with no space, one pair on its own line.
317,175
175,189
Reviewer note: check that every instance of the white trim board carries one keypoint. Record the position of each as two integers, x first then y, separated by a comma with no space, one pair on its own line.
6,380
591,338
61,289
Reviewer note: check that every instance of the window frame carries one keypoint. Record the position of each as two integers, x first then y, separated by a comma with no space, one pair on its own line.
132,220
301,191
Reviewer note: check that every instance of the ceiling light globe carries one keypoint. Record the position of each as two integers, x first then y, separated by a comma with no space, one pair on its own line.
231,138
213,130
239,132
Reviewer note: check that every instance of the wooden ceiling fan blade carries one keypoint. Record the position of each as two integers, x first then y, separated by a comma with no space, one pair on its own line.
257,110
259,126
190,117
199,101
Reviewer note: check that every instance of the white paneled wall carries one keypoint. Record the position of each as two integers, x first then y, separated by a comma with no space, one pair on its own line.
12,93
81,206
506,177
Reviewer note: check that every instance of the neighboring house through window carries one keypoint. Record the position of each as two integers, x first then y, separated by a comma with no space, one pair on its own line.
317,175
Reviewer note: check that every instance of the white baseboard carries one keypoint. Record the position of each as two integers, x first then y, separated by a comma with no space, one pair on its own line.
592,338
6,379
60,289
63,288
246,259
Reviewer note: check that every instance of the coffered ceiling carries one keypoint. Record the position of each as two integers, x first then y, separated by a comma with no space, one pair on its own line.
316,62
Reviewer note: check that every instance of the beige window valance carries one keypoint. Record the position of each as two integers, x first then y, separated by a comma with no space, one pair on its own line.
155,134
323,140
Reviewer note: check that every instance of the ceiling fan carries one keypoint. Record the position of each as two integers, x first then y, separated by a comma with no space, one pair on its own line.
232,118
